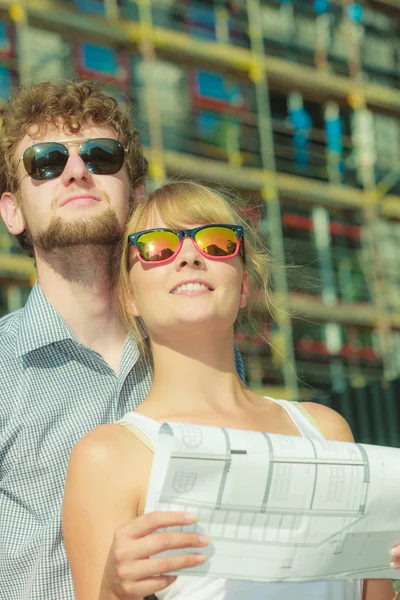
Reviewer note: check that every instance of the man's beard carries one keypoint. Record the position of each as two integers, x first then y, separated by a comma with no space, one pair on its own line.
102,230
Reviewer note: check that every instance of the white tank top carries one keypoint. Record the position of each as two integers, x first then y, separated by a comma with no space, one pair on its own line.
208,588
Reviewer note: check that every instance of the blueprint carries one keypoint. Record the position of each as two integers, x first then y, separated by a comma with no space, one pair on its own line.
280,507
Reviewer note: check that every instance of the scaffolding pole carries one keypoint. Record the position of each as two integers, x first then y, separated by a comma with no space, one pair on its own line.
156,153
271,196
371,211
18,15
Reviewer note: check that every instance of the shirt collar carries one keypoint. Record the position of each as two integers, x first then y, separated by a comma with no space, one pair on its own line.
40,324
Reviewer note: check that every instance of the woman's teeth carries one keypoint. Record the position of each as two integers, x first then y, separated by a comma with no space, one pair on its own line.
190,287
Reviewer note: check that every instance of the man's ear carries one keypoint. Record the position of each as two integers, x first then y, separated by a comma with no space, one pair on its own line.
11,213
244,291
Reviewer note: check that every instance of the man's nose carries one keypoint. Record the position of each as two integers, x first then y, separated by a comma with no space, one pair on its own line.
75,169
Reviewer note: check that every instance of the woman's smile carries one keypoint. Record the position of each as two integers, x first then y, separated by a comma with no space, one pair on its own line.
192,287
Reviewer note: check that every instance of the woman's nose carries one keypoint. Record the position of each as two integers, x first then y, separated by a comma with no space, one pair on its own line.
189,255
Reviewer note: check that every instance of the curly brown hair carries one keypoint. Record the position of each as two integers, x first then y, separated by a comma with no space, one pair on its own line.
73,104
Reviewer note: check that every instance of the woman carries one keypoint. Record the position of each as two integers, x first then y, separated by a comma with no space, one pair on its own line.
187,288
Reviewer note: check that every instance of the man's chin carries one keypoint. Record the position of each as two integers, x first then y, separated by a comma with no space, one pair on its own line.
68,243
102,230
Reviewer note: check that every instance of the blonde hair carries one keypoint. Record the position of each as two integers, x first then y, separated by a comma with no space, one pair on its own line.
191,203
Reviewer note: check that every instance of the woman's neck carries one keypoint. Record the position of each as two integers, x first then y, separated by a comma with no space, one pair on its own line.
194,376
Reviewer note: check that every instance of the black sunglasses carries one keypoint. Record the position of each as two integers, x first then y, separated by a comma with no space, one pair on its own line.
47,160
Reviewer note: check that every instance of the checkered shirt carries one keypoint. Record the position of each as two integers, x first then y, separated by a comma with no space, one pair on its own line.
53,390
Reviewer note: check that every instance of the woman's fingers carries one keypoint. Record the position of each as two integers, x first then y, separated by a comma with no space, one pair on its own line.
136,540
395,564
150,522
159,566
146,577
131,570
145,587
166,540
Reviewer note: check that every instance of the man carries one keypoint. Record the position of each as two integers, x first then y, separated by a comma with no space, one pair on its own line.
65,362
71,167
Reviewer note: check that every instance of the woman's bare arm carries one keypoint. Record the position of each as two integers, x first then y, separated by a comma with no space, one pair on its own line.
102,492
109,546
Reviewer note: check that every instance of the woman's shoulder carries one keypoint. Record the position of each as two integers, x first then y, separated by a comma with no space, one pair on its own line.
108,470
109,448
331,424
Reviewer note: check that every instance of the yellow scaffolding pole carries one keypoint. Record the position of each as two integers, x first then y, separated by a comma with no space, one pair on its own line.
270,193
156,154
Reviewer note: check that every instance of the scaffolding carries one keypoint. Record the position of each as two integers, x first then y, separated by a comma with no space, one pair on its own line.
372,199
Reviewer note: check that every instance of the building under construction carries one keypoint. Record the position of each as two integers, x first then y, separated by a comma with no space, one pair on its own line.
291,105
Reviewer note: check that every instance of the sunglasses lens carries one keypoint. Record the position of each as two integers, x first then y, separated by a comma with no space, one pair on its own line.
154,246
46,160
103,156
217,241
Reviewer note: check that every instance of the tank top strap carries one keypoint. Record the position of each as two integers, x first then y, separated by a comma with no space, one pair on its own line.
301,418
146,429
142,427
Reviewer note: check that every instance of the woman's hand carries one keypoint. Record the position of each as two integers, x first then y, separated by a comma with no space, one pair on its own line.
396,557
129,572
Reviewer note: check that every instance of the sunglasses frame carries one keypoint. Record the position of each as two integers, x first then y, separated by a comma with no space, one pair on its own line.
184,233
67,143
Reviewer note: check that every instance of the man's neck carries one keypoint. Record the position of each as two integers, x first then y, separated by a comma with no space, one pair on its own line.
85,298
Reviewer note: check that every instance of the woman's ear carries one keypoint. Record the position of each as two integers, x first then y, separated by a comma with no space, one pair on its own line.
135,312
132,304
244,290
